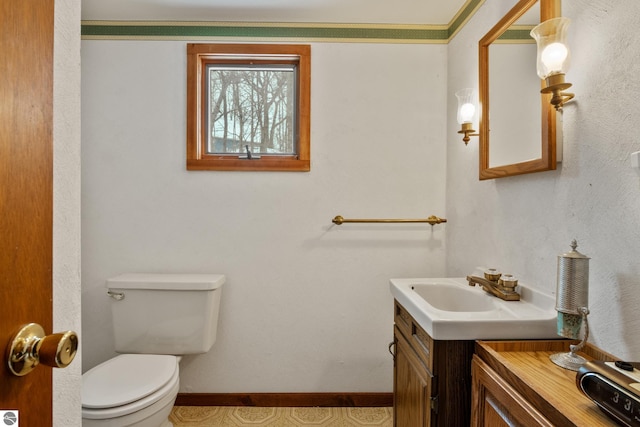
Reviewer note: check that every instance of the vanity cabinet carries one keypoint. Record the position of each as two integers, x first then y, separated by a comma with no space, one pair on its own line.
516,384
497,404
432,378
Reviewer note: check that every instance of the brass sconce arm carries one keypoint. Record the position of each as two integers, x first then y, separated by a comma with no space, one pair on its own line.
467,130
556,85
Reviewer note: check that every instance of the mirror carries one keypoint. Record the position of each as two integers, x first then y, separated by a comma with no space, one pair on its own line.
517,123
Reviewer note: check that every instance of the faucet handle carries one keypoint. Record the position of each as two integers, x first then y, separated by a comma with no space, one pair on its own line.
509,282
492,274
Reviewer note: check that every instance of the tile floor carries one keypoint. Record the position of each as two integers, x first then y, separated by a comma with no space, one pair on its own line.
234,416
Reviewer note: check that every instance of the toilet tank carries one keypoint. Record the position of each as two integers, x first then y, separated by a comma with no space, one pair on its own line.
165,313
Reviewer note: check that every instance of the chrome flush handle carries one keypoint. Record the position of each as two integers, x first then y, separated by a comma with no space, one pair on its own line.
118,296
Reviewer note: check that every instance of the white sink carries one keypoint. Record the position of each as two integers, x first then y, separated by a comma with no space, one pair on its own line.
450,309
446,297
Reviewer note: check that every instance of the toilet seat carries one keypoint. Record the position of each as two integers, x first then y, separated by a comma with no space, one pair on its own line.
128,383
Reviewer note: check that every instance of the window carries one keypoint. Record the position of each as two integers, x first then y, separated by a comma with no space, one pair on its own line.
248,107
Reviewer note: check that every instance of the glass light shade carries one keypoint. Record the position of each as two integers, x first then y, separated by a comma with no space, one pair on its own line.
553,54
467,105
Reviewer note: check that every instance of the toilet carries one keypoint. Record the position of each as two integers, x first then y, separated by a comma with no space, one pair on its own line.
157,318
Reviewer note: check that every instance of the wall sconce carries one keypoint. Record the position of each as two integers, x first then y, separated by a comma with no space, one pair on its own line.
467,112
553,58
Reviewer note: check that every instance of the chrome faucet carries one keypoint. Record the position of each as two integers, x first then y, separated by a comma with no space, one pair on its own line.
497,284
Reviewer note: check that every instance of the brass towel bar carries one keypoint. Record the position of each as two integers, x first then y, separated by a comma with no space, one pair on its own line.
431,220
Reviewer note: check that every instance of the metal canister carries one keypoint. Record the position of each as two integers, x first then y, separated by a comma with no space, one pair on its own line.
572,291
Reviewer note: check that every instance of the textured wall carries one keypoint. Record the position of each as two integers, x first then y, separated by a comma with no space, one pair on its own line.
520,224
66,204
306,306
308,302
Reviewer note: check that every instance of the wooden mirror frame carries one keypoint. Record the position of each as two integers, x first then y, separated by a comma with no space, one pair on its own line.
548,9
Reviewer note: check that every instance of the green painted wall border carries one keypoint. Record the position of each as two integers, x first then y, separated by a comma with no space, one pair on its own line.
465,13
256,32
517,34
156,30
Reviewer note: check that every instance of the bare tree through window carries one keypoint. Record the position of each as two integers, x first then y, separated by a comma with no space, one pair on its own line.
251,108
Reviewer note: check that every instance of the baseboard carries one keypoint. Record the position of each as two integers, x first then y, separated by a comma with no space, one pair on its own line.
286,399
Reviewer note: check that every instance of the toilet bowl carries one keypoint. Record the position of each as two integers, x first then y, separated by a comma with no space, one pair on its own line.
156,318
130,390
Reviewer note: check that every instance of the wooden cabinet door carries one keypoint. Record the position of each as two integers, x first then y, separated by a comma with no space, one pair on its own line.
494,403
412,387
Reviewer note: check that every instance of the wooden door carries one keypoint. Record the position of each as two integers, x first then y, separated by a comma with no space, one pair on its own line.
26,193
494,403
412,387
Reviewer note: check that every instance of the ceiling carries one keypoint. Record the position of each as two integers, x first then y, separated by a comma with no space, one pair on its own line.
418,12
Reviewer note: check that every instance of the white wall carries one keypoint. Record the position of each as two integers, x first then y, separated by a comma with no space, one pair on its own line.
520,224
306,306
66,204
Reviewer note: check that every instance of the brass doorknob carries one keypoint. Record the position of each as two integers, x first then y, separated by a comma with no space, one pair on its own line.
30,346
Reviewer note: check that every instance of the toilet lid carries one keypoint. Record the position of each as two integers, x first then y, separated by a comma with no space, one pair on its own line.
126,378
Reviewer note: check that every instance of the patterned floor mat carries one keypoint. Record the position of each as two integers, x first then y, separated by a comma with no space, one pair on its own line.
204,416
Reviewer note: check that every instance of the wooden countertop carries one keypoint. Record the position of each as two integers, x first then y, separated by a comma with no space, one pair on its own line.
526,366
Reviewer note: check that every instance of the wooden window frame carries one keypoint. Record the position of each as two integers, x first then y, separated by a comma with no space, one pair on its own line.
198,55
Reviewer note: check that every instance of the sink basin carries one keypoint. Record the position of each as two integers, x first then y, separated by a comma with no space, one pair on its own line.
450,309
453,298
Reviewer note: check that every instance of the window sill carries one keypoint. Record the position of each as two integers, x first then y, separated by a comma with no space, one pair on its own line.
281,164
